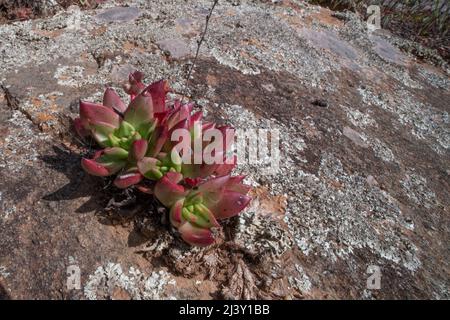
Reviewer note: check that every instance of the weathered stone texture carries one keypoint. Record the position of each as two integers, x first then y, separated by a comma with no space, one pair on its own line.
364,176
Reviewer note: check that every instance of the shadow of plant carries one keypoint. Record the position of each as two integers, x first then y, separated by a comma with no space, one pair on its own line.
111,205
151,233
3,293
80,184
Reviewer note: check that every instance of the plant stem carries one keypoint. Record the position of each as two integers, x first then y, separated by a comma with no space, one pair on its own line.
200,41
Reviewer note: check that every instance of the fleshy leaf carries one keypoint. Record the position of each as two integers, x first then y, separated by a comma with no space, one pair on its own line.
176,217
125,129
179,114
94,168
113,154
230,204
128,179
196,236
193,182
81,130
101,132
167,189
144,189
112,100
235,184
138,149
159,137
147,167
158,91
195,219
226,168
96,113
140,110
195,117
135,85
214,184
198,170
206,214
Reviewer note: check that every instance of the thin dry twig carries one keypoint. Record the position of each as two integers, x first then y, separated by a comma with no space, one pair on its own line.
200,41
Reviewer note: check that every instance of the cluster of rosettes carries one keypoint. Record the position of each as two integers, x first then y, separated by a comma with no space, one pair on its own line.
138,149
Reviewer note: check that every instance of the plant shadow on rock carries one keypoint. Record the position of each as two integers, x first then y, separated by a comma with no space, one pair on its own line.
151,234
111,205
3,293
80,185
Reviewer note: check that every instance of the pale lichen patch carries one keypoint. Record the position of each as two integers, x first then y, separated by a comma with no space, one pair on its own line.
106,279
301,282
4,272
18,148
359,119
380,148
229,59
435,79
425,122
416,188
371,223
262,233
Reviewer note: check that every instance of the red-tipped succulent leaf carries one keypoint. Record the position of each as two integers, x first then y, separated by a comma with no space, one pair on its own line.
128,179
112,100
96,113
196,236
167,189
158,92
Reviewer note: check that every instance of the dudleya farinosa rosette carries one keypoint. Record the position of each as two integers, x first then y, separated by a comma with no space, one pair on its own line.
137,146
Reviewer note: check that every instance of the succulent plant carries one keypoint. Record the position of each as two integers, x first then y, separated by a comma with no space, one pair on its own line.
137,146
196,210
